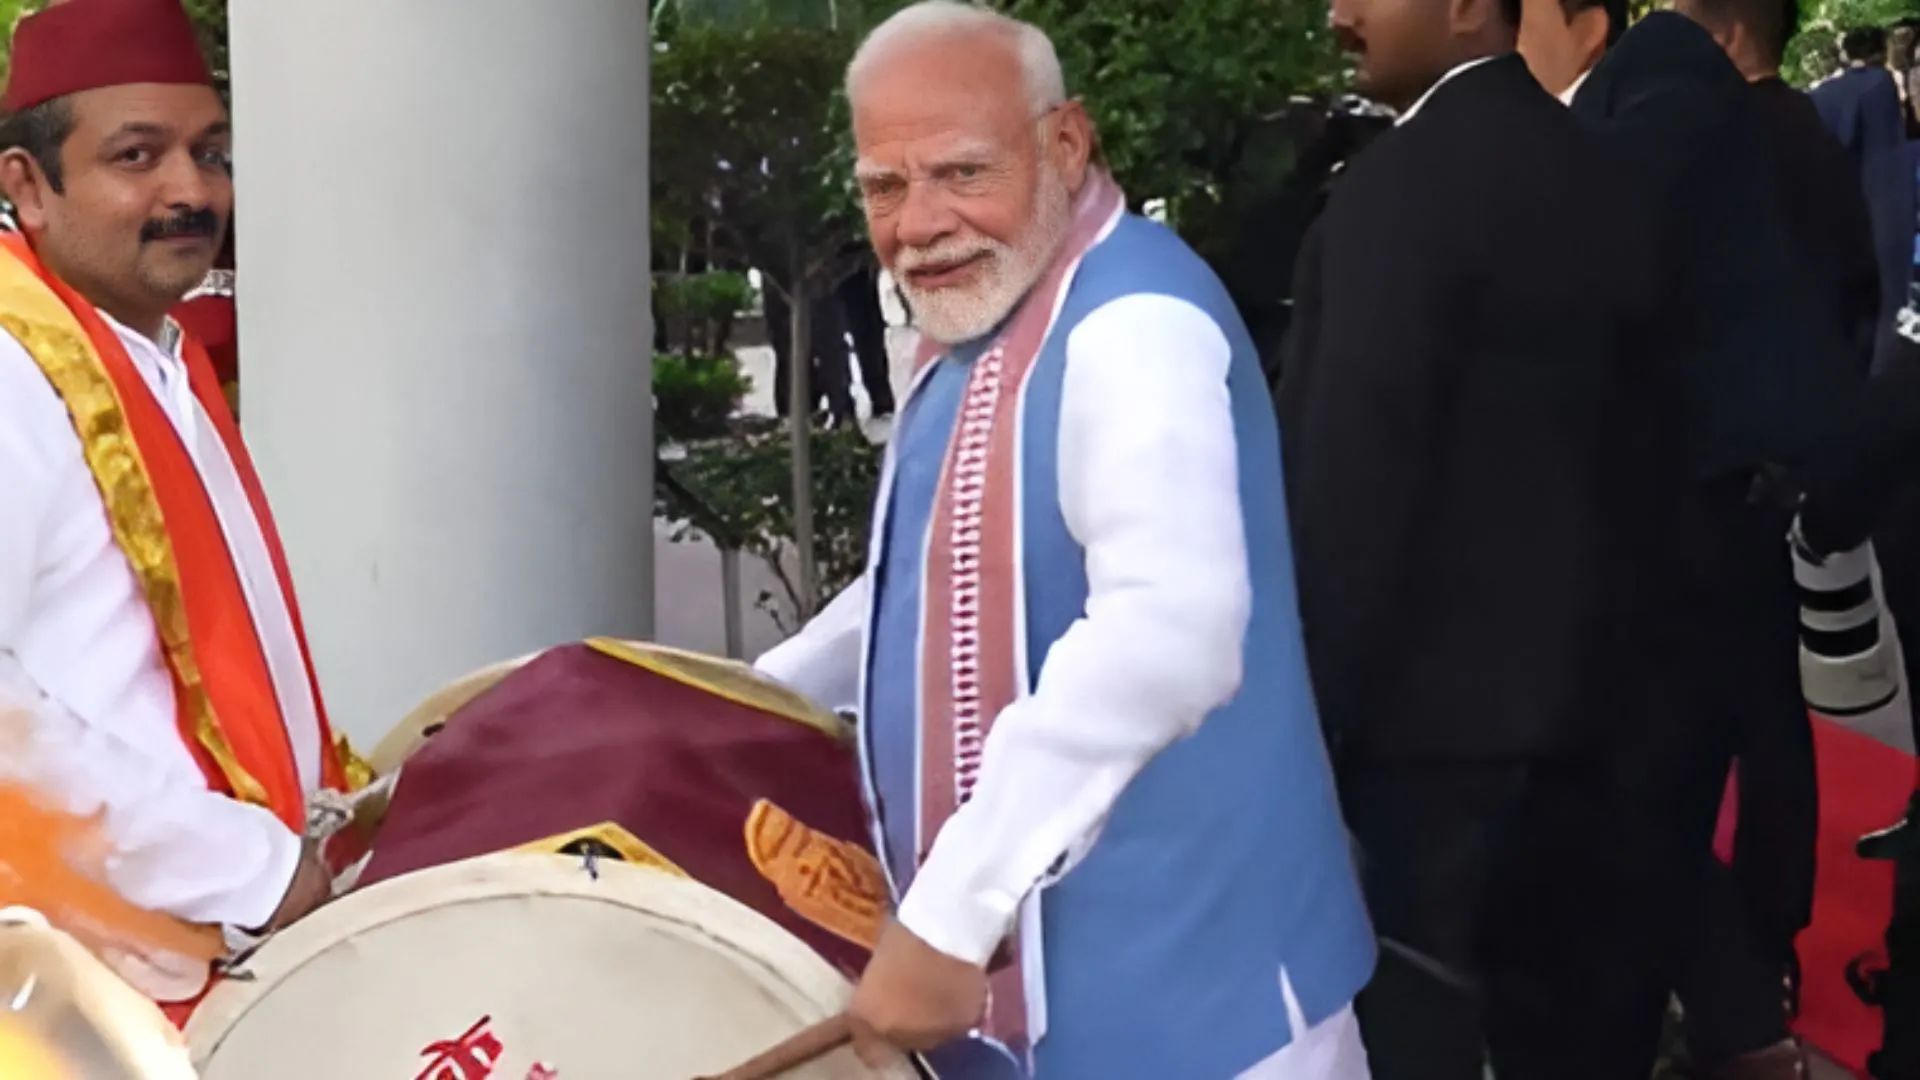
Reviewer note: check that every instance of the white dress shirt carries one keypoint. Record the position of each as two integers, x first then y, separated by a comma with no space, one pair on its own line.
80,652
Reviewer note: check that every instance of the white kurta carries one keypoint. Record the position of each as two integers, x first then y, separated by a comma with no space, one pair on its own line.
80,652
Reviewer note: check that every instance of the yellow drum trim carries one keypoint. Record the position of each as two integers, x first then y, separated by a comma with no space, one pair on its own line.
631,848
832,884
407,735
729,679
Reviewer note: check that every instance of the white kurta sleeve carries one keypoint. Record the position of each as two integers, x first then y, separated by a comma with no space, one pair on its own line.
178,848
822,661
1149,486
181,849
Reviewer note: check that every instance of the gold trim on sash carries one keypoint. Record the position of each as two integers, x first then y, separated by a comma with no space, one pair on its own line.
355,770
36,318
729,679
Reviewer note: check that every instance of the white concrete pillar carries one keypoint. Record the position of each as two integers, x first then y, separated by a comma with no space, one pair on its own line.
443,309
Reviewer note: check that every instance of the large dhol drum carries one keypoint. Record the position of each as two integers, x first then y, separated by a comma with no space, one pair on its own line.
607,862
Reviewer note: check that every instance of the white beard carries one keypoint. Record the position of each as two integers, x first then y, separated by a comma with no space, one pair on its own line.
954,315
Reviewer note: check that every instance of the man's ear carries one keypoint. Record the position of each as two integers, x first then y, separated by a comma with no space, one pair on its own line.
1468,18
1732,39
1590,26
1465,16
1072,144
25,185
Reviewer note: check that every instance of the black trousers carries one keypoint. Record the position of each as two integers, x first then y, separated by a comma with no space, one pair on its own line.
1735,676
830,373
1737,988
1514,920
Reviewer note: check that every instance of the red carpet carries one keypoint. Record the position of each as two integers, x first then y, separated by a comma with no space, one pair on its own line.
1864,786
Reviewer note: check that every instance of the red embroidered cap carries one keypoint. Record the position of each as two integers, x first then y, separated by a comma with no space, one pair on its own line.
77,45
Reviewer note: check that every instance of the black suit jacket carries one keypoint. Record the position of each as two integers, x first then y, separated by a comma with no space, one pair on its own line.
1751,365
1460,467
1758,345
1826,214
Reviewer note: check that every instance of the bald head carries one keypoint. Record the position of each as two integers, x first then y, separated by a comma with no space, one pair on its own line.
970,155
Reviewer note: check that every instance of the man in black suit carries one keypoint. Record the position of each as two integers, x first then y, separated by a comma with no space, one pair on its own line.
1732,989
1760,335
1464,480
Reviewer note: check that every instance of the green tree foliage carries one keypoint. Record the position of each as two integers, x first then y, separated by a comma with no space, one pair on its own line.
11,12
748,137
749,140
1181,89
730,489
211,17
1815,54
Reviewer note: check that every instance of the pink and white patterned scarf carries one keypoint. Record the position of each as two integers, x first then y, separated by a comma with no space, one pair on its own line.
972,660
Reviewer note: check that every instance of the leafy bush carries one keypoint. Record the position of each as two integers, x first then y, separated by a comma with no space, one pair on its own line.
702,307
716,294
738,491
694,397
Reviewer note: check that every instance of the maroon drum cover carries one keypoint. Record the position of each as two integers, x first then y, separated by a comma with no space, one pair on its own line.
758,802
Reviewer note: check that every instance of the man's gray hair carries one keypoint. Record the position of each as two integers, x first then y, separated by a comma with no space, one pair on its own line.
933,20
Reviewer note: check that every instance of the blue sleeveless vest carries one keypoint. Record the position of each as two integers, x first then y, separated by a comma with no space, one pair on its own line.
1226,860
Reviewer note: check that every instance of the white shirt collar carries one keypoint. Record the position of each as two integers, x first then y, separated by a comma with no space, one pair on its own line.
1437,84
168,343
1566,96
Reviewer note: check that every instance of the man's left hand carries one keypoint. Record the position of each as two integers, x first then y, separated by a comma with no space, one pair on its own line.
913,997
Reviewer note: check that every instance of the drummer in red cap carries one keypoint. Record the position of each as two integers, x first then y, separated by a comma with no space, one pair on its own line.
148,627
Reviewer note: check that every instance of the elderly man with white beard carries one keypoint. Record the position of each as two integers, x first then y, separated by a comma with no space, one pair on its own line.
1089,743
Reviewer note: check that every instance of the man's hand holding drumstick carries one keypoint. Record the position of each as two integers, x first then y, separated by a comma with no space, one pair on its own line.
884,1024
913,997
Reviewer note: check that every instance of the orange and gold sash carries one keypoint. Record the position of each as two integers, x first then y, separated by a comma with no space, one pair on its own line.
164,522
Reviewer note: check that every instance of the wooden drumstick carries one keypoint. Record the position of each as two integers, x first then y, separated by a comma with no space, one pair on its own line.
805,1048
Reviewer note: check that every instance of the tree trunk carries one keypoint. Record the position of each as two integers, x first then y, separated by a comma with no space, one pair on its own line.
730,599
800,415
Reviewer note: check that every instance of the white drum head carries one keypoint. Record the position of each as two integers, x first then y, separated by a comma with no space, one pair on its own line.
521,966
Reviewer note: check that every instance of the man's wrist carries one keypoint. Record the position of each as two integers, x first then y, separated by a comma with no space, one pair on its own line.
266,898
966,925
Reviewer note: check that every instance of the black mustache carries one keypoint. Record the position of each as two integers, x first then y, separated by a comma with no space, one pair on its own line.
197,223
